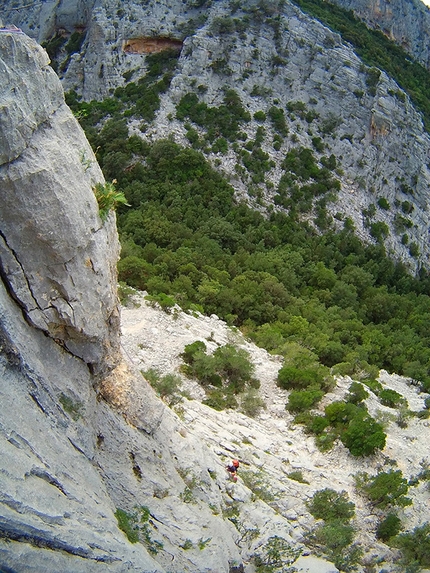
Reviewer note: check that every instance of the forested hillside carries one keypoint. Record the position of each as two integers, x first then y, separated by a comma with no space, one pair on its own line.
281,277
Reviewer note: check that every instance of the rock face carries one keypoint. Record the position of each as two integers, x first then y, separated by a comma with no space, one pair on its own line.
272,448
58,259
406,22
84,440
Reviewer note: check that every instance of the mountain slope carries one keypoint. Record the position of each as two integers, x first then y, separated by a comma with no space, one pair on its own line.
308,88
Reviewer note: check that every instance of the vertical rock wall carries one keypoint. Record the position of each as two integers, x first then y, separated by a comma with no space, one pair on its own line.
58,260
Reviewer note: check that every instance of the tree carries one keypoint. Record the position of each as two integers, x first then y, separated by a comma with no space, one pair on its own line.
134,271
233,364
363,436
329,505
387,489
415,546
388,527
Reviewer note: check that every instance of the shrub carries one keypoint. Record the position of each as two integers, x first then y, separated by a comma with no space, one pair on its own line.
75,43
164,301
108,198
191,350
297,476
275,554
290,377
414,250
127,524
387,489
379,230
363,436
415,547
329,505
357,393
335,538
317,424
220,400
383,203
334,535
233,364
339,414
390,398
167,386
301,400
277,118
72,407
260,116
257,482
389,527
251,403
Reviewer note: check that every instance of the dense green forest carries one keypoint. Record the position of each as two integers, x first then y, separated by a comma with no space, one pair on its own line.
187,240
318,298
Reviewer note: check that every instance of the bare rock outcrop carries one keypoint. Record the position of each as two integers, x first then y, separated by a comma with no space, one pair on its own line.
58,258
59,328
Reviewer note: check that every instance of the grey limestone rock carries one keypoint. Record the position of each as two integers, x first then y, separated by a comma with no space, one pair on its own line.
58,258
407,22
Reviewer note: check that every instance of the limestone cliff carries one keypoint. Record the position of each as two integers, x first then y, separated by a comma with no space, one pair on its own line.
85,445
407,22
58,259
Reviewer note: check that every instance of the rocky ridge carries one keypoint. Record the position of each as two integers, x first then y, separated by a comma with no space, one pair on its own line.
405,22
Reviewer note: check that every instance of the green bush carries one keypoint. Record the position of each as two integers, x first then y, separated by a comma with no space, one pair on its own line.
251,403
363,436
357,393
383,203
277,117
302,400
191,350
335,539
257,482
415,547
260,116
167,386
233,365
391,398
291,377
275,555
379,230
387,489
389,527
72,407
329,505
165,302
108,198
340,414
297,476
127,523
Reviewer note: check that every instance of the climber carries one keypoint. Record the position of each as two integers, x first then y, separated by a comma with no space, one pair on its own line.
232,469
